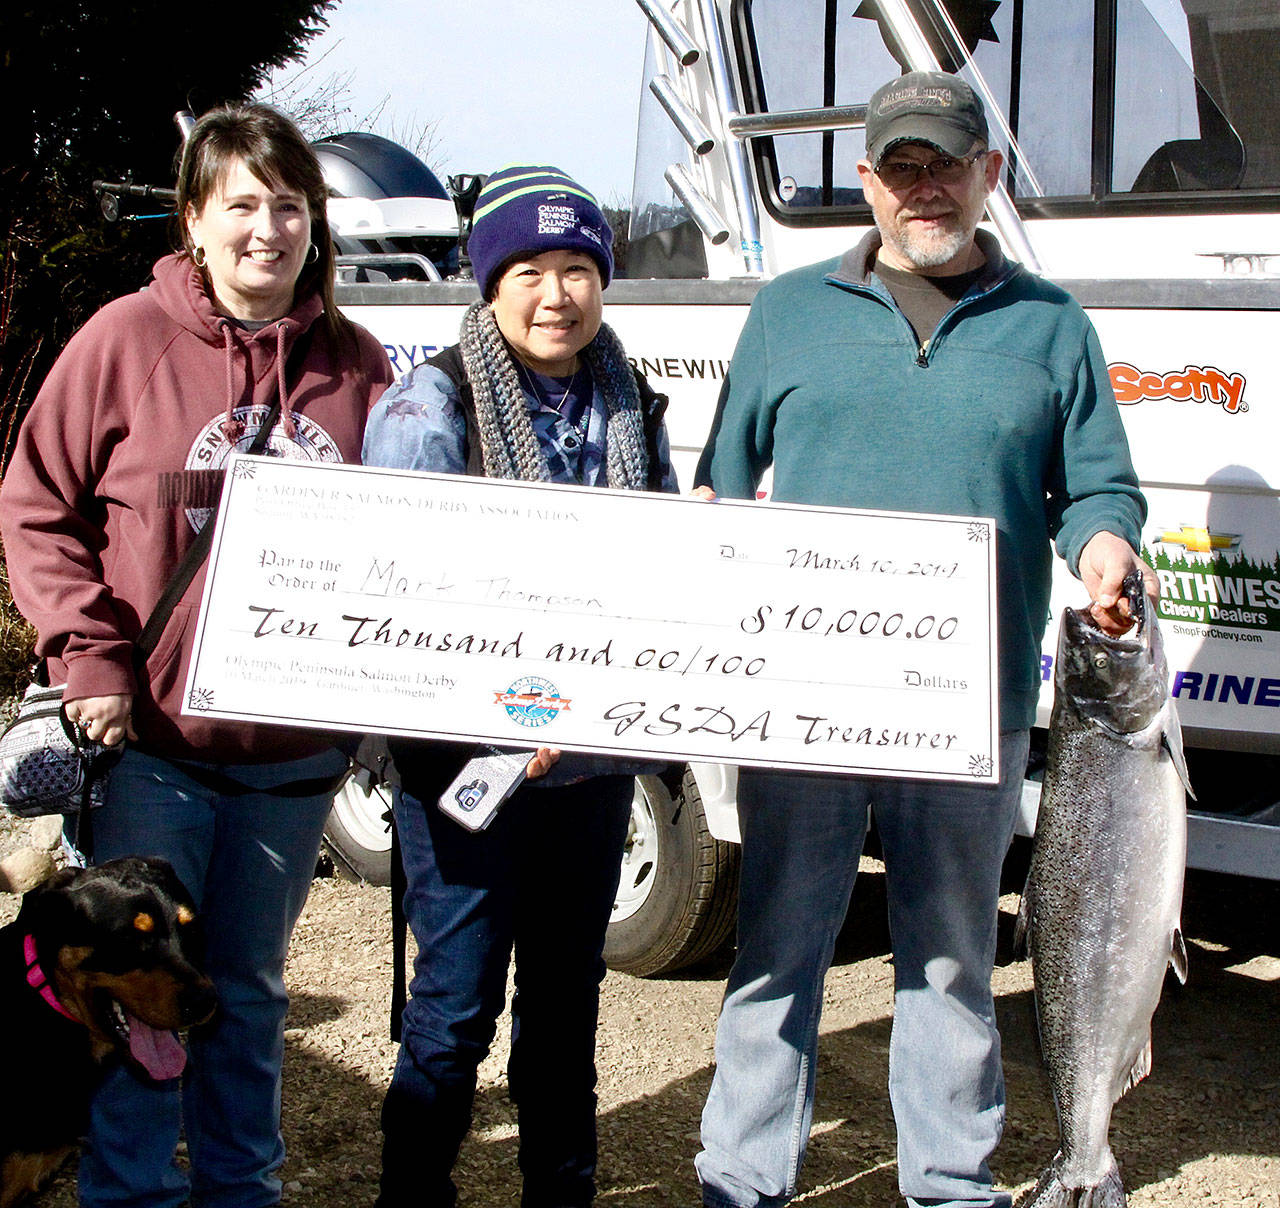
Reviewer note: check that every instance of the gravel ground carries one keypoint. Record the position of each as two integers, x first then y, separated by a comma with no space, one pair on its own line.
1203,1130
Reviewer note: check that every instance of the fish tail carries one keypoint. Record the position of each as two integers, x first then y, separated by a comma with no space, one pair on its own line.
1051,1192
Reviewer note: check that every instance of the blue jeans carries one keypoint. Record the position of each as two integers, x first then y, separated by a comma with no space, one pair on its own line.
944,845
540,881
248,862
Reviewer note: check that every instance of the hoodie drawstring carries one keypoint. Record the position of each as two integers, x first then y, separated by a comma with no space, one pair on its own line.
287,424
233,428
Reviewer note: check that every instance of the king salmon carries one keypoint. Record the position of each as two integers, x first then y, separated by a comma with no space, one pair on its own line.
1100,913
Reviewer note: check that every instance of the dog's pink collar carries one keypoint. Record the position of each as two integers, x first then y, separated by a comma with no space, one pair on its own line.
37,980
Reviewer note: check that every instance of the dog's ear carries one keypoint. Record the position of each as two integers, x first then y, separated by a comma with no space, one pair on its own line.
60,880
49,905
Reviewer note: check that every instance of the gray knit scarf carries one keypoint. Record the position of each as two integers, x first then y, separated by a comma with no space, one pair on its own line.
508,441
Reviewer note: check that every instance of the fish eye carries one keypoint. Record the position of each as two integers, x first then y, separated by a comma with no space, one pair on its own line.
1100,660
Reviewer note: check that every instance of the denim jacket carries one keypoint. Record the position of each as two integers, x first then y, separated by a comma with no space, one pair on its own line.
418,424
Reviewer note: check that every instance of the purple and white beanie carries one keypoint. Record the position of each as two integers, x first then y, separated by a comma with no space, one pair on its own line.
525,209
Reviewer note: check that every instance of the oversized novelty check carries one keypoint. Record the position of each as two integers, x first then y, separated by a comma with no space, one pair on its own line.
601,621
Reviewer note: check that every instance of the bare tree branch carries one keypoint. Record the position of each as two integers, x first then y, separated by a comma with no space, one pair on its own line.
322,106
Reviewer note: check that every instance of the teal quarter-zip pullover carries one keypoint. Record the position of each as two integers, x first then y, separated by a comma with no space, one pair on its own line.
1007,412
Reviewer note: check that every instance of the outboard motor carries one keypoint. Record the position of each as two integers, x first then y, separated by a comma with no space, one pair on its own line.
388,211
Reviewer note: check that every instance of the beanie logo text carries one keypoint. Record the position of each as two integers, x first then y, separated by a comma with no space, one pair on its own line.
555,220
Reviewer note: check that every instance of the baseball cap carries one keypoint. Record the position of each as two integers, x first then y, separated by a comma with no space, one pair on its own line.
931,107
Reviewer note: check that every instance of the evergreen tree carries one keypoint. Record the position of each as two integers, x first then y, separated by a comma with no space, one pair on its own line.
88,90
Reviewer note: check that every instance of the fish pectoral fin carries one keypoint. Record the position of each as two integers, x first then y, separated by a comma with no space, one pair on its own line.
1141,1067
1022,928
1178,955
1172,740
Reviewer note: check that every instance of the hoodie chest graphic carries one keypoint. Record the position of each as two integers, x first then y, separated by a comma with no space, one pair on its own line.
197,486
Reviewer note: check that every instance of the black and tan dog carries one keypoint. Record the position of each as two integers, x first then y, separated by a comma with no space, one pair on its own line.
100,965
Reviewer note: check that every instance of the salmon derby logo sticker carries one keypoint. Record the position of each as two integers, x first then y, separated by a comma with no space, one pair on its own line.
1192,384
532,701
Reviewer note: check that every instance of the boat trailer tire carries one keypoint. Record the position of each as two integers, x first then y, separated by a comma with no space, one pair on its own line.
678,893
357,833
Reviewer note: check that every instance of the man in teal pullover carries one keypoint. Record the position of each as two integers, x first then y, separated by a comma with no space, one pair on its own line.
922,372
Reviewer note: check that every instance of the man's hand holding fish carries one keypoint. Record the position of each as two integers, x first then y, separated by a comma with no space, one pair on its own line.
1104,562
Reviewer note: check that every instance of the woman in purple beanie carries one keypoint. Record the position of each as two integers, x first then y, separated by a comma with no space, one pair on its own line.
539,389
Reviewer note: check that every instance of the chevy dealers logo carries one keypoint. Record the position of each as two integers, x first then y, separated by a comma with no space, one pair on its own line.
1212,588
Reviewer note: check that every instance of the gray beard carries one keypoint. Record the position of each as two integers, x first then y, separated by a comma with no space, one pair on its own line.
930,253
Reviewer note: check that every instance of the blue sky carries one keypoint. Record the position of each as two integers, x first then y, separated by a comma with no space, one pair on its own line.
550,81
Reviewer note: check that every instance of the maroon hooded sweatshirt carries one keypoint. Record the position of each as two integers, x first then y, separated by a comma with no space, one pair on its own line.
118,464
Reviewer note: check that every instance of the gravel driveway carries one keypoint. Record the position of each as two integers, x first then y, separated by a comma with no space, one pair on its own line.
1203,1130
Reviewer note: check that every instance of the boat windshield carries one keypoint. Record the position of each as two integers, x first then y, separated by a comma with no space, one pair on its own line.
1182,107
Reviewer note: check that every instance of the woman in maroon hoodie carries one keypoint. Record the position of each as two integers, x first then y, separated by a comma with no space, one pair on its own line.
117,468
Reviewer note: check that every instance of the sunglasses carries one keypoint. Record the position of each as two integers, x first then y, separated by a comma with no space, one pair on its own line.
945,170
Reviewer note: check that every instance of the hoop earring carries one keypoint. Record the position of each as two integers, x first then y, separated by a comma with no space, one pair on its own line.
313,254
198,258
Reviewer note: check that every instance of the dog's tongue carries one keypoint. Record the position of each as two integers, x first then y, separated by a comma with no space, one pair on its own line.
158,1051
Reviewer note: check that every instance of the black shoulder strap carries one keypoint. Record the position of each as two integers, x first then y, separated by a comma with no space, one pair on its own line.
450,363
199,549
653,407
192,560
399,935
